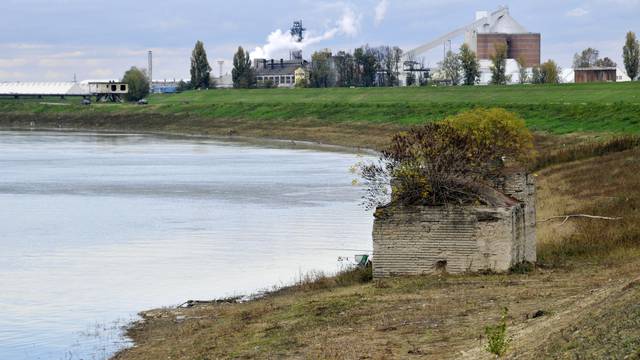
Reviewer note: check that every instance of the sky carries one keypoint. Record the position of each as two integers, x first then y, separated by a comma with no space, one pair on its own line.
53,40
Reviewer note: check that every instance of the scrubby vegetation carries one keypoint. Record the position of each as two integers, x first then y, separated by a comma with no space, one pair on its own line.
458,160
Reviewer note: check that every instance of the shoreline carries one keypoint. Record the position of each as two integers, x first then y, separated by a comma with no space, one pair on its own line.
247,140
351,136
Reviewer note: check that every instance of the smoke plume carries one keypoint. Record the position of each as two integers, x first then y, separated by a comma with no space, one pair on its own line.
280,42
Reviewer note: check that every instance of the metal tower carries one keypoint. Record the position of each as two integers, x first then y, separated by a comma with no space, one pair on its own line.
297,30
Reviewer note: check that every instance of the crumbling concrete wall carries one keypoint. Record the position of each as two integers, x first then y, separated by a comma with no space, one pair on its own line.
421,240
521,186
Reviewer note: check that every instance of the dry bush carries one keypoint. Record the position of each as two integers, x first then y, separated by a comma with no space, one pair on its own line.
453,161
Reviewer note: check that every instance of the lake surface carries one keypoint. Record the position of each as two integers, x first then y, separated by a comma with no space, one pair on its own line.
96,227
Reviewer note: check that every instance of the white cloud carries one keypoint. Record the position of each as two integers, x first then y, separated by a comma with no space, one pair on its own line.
577,12
349,24
381,11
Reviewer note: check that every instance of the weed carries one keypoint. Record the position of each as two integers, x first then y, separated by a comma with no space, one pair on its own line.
498,341
522,268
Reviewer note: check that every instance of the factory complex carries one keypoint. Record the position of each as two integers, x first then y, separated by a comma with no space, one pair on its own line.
488,32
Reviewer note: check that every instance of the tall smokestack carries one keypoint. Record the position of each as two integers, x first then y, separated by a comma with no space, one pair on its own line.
150,68
220,63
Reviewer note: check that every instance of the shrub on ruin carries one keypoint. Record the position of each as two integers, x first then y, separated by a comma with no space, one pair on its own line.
449,162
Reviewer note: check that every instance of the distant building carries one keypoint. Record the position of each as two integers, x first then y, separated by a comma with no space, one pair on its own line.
610,74
224,82
483,35
595,74
164,87
281,73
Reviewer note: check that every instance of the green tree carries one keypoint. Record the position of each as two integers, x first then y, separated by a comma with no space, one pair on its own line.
499,65
587,58
138,84
200,69
321,74
242,74
536,75
452,67
606,62
550,72
183,86
367,65
470,65
631,55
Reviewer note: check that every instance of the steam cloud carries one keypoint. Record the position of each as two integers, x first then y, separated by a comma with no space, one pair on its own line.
381,11
280,42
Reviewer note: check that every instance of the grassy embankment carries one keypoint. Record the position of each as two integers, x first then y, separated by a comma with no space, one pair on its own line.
584,292
355,117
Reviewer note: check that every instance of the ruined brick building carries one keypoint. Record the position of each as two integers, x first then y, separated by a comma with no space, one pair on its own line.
416,240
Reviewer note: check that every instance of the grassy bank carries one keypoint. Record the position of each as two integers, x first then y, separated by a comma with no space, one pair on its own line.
558,109
580,303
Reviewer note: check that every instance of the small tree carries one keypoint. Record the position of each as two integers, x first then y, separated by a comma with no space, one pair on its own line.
470,65
242,74
183,86
550,72
606,62
587,58
536,75
452,67
522,71
631,55
321,73
499,65
200,69
138,83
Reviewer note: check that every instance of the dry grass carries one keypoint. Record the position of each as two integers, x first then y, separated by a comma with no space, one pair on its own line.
605,186
584,150
588,293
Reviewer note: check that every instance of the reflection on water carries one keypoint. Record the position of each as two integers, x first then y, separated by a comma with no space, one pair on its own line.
94,228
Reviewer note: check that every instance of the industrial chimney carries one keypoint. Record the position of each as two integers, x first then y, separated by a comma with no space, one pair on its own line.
151,69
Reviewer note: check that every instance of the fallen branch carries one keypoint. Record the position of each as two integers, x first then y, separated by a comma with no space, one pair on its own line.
567,217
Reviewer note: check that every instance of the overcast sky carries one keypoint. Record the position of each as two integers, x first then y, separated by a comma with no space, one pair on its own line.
51,40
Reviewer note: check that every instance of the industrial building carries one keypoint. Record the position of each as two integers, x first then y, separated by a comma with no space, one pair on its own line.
483,35
280,73
104,91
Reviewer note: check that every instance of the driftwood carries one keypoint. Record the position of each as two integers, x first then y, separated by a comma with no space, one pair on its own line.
567,217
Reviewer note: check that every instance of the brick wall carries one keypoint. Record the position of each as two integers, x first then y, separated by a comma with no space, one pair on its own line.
414,240
525,46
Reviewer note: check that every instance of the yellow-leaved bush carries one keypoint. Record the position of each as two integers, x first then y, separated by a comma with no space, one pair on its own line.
447,161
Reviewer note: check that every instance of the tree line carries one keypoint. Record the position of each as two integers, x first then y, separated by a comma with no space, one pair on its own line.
382,66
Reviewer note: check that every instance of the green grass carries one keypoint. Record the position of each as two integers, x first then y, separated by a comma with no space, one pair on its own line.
560,109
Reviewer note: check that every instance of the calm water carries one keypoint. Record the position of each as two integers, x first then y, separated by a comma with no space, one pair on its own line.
94,228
